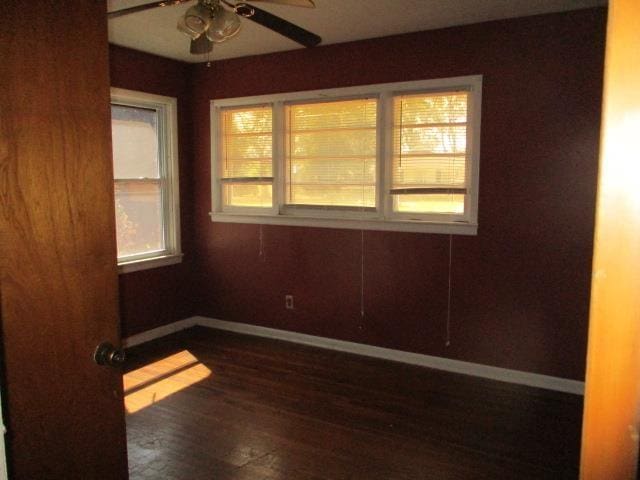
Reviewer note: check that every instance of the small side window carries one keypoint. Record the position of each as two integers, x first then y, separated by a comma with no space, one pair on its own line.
144,137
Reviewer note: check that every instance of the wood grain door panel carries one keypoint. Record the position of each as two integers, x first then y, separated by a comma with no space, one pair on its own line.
611,425
59,272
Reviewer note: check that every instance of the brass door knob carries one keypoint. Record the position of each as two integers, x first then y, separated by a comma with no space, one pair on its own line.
107,354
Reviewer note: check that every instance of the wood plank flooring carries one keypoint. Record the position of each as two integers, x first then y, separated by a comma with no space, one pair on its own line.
206,404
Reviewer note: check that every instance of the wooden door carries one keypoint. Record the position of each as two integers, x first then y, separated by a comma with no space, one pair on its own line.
58,251
611,426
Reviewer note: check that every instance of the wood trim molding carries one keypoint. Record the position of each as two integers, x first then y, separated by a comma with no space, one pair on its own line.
456,366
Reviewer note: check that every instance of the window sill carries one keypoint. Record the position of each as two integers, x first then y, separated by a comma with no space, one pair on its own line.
147,263
352,224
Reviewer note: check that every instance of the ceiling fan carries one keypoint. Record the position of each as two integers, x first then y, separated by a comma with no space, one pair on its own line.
216,21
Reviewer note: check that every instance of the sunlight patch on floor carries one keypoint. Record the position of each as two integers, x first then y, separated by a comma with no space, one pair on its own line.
158,380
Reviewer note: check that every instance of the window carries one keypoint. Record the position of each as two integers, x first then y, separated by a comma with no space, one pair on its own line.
330,154
428,169
399,156
144,138
247,176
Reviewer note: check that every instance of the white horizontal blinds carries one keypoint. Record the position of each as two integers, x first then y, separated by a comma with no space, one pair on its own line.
246,161
430,152
330,154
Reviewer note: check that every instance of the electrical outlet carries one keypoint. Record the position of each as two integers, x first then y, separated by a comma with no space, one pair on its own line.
288,302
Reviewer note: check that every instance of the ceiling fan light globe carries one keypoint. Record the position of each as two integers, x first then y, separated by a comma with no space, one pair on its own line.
198,18
224,25
183,28
195,24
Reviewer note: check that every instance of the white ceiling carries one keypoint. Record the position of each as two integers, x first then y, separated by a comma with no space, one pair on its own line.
336,21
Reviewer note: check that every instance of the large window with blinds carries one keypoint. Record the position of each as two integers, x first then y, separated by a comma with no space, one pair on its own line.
330,154
398,156
145,171
247,157
429,163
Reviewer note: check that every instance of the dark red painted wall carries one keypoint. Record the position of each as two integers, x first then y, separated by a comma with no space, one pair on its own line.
520,287
155,297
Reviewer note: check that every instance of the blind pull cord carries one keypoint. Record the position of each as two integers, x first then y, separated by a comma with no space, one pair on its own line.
261,255
361,273
226,150
448,326
401,128
362,205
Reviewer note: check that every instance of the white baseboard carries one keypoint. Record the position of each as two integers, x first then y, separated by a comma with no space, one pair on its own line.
456,366
162,331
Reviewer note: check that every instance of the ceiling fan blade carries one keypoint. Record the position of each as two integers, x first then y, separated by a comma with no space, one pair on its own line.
278,25
293,3
201,45
146,6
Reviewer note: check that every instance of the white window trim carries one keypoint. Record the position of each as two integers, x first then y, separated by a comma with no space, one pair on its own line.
383,218
168,109
152,262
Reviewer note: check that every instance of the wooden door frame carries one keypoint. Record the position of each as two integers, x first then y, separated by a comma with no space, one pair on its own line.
612,396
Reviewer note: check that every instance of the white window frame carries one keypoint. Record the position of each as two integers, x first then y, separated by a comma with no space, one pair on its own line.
383,218
167,108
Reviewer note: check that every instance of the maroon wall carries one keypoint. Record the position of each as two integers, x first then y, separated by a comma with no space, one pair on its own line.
158,296
520,287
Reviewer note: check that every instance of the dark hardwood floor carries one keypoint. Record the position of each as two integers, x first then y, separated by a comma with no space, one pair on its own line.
205,404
